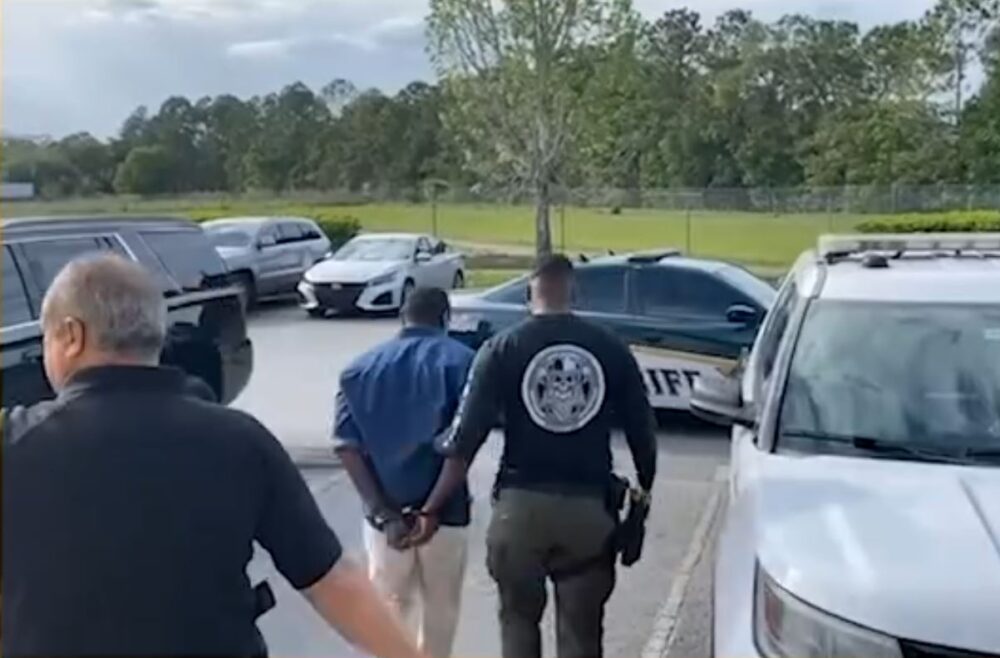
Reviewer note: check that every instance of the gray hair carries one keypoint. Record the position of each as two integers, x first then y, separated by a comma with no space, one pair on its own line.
117,300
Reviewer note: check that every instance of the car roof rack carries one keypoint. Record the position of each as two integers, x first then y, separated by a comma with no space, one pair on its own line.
833,248
649,257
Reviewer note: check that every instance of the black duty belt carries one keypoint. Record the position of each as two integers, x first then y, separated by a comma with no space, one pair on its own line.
554,488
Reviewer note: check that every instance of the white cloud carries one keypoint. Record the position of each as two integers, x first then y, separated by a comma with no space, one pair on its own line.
264,49
85,64
397,24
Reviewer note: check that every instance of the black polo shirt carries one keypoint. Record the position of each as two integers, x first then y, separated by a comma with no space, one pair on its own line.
130,508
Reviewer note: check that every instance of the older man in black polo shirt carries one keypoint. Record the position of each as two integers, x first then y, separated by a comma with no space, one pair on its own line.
130,506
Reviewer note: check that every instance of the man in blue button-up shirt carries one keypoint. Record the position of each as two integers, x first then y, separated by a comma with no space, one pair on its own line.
393,402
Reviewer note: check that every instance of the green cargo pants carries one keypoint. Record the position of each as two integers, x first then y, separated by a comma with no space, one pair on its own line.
535,536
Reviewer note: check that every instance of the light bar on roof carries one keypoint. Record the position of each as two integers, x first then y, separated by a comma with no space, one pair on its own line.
894,242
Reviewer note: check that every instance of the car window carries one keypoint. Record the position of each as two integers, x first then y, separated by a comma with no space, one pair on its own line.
268,236
45,258
310,231
674,291
759,290
16,309
423,245
773,332
290,232
861,369
186,255
600,290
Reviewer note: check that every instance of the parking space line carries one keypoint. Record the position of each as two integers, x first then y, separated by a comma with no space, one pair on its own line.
665,625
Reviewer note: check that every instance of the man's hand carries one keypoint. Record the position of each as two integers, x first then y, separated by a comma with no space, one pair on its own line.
397,532
424,529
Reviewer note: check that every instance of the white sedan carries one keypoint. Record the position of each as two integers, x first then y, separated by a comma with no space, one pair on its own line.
376,272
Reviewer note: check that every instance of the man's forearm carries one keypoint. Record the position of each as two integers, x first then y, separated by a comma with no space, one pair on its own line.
642,443
452,476
346,599
364,480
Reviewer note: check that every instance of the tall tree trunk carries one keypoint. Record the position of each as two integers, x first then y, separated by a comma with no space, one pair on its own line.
543,228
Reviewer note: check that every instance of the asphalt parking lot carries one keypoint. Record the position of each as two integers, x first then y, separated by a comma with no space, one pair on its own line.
660,607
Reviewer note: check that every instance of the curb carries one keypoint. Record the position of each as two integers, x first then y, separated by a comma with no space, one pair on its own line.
665,627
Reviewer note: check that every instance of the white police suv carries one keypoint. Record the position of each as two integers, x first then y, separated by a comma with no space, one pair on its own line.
864,512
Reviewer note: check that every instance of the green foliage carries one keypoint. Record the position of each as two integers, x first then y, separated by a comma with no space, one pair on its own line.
934,223
516,73
146,170
339,229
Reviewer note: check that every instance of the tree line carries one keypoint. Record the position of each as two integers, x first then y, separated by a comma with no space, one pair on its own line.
585,93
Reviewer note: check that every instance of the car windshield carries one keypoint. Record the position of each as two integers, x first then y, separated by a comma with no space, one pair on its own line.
376,249
899,374
228,236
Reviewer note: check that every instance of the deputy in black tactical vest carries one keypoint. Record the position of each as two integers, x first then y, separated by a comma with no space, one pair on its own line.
559,383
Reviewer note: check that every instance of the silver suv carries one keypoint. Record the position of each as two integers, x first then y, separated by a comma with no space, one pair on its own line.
267,255
865,469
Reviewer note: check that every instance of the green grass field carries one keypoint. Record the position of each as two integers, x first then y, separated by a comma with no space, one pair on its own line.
757,240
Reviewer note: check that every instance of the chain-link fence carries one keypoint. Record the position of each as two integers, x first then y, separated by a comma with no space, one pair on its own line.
763,228
868,199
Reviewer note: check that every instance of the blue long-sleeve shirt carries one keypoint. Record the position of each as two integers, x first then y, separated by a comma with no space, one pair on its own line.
393,402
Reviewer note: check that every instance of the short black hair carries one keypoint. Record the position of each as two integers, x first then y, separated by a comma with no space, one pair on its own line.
553,266
427,307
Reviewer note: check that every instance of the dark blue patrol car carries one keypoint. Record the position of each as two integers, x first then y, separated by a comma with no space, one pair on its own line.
681,316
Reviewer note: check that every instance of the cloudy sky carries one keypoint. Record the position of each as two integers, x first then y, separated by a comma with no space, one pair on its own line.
73,65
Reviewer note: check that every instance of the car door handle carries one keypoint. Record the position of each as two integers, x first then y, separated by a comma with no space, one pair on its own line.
32,354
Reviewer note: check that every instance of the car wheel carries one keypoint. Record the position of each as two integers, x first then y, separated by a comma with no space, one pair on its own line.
247,291
317,313
408,287
459,281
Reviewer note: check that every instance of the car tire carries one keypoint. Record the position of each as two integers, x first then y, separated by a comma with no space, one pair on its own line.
247,291
317,313
459,281
404,294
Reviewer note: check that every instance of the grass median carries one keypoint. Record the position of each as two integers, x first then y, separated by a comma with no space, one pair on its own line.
754,239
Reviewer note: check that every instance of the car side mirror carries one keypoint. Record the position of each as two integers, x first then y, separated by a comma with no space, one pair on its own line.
264,243
718,399
741,314
422,257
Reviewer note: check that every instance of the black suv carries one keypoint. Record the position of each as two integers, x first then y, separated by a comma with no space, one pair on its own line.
207,336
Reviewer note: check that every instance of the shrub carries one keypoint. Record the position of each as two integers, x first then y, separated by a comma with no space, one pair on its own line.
339,229
953,222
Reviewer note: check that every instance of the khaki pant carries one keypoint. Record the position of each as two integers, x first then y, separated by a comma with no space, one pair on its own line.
535,536
424,584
